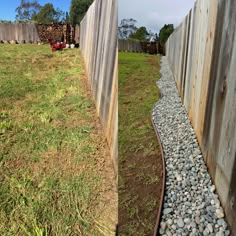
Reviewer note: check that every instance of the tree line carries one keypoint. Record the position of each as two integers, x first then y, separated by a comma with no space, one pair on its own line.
128,30
33,11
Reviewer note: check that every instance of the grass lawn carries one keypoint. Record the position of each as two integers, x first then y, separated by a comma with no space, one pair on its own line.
140,163
56,176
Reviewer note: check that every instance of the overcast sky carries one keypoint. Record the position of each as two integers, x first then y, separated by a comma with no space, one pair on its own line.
153,14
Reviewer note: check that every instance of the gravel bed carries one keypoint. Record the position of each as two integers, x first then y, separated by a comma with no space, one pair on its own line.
191,205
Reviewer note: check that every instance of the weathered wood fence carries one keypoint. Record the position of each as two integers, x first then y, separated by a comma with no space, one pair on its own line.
125,45
129,46
202,55
18,32
32,32
98,43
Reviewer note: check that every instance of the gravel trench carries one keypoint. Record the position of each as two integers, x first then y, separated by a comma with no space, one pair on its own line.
191,205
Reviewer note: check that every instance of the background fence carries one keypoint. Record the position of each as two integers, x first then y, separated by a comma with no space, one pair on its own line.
30,32
129,46
202,55
126,45
98,42
19,32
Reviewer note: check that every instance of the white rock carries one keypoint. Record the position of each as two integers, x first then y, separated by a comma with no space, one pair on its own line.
220,233
187,221
178,177
213,188
163,226
168,233
169,222
210,228
219,213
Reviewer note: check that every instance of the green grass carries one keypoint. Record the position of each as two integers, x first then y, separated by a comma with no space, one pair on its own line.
138,74
50,148
139,157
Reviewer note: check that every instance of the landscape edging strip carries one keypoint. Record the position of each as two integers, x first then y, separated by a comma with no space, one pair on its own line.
163,180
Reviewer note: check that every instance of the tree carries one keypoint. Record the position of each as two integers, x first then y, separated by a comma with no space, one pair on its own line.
27,10
140,34
127,27
165,32
67,19
78,9
157,37
48,15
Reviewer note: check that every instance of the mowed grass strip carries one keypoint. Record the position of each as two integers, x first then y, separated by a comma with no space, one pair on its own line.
140,165
52,150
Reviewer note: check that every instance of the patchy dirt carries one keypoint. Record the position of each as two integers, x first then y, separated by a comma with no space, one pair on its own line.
140,162
143,182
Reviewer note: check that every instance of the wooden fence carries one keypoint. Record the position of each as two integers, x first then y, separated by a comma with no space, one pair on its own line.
98,43
125,45
32,32
129,46
18,32
202,55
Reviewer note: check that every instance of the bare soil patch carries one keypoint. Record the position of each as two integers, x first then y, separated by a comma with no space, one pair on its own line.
140,163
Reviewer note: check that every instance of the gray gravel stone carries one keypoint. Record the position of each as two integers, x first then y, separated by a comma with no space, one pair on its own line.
197,220
220,233
210,228
167,211
191,204
187,221
180,222
163,226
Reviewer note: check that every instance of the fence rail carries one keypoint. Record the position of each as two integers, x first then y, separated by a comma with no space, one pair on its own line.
202,55
98,43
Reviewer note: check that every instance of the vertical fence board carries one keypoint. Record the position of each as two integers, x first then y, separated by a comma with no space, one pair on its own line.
210,35
98,43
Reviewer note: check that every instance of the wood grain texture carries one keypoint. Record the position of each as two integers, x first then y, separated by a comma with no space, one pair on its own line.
98,43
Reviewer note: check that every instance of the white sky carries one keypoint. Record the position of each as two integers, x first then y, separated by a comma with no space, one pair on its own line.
153,14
